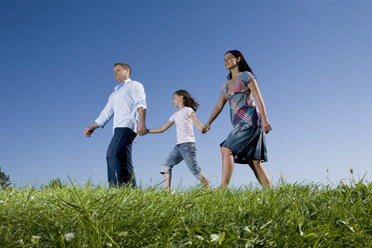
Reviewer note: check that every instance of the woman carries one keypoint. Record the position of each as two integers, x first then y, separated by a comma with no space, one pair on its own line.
246,143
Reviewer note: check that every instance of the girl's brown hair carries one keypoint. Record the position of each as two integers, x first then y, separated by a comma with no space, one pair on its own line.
188,100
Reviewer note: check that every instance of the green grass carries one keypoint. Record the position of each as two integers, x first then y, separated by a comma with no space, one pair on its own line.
291,215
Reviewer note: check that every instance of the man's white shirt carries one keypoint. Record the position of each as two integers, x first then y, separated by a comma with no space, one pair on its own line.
123,104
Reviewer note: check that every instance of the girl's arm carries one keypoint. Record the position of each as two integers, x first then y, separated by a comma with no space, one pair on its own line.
216,111
162,129
196,122
261,105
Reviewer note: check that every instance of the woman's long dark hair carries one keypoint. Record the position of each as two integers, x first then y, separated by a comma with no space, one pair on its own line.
243,65
188,100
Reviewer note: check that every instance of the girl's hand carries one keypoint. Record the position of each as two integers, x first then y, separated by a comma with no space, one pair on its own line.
266,126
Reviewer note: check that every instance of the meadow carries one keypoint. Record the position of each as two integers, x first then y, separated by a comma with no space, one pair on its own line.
290,215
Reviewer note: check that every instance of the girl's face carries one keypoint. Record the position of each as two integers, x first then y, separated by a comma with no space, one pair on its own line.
177,101
231,61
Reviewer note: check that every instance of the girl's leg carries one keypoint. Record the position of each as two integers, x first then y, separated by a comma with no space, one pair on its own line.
188,152
166,169
167,181
204,181
260,173
227,166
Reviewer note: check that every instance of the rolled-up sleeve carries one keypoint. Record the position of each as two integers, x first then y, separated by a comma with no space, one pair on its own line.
139,96
106,114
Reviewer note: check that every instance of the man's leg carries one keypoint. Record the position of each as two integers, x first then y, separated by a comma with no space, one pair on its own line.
119,157
128,175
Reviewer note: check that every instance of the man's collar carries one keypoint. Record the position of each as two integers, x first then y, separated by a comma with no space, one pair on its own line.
125,81
122,83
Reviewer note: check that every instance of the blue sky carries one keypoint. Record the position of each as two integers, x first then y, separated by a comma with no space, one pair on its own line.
312,59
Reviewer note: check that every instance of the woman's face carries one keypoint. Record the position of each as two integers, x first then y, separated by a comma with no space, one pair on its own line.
230,61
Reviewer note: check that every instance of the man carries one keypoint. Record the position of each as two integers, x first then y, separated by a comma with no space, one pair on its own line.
127,104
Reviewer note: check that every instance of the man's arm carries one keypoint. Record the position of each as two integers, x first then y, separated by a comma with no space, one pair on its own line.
103,118
106,114
139,98
141,128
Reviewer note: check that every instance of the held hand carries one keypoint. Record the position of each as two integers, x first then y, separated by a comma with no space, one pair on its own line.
266,127
141,129
206,128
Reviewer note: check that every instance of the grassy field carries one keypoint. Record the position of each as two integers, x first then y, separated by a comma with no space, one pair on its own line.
291,215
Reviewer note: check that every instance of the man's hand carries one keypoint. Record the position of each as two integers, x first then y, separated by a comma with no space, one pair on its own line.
89,130
141,129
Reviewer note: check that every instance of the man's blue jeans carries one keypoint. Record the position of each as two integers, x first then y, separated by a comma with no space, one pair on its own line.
119,157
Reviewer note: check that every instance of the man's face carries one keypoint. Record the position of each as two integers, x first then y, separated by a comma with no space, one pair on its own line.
120,73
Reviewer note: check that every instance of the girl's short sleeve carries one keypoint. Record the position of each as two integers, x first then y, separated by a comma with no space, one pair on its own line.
247,77
189,111
172,118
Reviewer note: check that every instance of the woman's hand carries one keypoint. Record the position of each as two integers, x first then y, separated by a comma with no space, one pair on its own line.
266,127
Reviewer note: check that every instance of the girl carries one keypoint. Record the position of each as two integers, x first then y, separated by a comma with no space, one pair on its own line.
246,143
185,148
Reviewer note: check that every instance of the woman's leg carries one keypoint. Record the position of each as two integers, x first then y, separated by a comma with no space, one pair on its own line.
260,173
227,166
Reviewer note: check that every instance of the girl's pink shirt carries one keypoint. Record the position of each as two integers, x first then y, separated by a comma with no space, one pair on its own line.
184,127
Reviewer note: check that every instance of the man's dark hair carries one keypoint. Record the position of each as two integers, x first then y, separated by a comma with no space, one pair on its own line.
125,66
